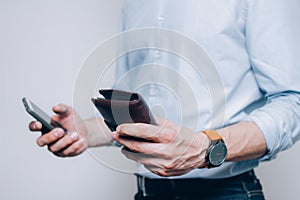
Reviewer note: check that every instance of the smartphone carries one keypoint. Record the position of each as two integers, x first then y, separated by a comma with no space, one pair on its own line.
38,114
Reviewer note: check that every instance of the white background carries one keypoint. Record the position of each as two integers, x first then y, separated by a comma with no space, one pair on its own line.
42,46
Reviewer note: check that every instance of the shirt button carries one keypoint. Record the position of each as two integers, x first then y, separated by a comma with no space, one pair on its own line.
157,55
160,18
154,91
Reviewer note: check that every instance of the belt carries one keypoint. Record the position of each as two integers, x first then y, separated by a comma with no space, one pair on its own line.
166,187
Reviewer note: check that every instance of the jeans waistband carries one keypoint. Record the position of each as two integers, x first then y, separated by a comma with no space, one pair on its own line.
148,186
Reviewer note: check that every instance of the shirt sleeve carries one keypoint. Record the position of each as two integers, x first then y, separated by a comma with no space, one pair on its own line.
272,35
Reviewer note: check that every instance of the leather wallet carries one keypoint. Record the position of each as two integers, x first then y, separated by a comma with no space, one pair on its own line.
119,107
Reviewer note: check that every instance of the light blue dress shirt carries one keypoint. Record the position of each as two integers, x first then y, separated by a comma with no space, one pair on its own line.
255,47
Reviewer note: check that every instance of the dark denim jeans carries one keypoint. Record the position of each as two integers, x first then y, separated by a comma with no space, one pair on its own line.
242,187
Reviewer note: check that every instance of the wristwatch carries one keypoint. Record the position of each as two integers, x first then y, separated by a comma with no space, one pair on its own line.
217,150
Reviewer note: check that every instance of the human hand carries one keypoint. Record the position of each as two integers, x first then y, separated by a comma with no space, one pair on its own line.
70,139
171,150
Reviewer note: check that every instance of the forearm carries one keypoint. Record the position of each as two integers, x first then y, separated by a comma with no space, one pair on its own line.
244,141
98,133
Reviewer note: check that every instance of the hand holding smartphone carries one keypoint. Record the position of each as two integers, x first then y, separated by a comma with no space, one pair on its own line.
61,143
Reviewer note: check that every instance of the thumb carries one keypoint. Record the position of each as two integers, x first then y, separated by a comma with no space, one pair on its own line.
61,109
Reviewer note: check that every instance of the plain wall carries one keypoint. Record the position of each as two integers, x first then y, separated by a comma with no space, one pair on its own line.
280,177
43,44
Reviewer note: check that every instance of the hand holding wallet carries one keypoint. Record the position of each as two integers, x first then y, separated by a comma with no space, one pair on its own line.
118,107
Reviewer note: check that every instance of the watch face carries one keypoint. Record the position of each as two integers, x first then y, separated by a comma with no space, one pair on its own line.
218,154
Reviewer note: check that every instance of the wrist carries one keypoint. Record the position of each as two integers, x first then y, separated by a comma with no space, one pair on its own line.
97,133
216,153
201,145
244,141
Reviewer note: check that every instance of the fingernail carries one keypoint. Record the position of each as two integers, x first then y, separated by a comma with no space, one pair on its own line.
118,129
74,136
60,108
57,107
114,135
59,132
63,108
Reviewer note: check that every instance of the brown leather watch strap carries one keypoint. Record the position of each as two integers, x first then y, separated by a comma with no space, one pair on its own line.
212,134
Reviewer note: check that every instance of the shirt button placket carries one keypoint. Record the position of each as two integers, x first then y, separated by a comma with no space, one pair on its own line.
157,54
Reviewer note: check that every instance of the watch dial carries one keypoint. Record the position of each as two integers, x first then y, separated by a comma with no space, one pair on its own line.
218,154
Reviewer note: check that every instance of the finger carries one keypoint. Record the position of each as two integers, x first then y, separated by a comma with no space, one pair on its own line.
164,123
35,126
138,146
165,172
80,150
50,137
153,150
64,154
61,109
154,164
150,132
75,149
63,114
64,142
38,126
138,157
